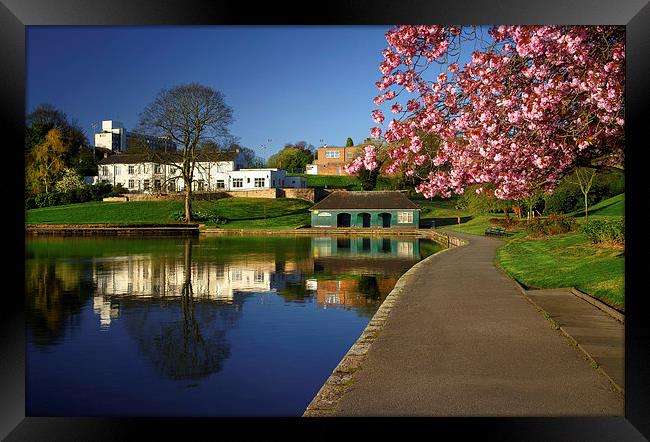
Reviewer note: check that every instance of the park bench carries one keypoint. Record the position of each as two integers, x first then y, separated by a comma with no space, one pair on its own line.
495,231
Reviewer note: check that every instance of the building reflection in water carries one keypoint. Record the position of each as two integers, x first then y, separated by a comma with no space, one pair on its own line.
340,272
149,277
366,269
407,248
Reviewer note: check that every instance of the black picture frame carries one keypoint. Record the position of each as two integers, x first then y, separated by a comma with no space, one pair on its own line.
15,15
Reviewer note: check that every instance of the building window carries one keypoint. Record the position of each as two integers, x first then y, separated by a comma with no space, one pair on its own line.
404,217
104,170
156,184
259,182
248,180
258,276
199,185
131,184
156,168
332,154
349,154
404,248
221,184
131,170
171,186
238,182
117,170
145,184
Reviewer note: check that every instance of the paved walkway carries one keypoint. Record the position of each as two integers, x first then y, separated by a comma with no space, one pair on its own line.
463,341
597,333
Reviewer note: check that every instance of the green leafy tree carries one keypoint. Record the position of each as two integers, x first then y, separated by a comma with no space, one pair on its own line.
48,161
253,161
45,117
349,142
293,157
484,202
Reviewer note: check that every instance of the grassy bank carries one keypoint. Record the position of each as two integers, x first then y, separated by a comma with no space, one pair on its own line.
610,207
242,213
348,182
568,260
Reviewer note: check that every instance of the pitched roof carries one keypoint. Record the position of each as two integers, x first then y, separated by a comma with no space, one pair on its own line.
364,200
164,157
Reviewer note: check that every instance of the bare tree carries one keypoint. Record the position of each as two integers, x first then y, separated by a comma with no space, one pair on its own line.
190,115
584,179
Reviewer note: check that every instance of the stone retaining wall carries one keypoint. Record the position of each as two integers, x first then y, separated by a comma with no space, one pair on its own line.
111,230
254,193
308,194
176,196
313,194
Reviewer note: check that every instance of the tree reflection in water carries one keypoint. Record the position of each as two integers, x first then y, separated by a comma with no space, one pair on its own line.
184,338
54,296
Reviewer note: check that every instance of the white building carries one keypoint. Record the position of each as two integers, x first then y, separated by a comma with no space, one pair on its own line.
112,136
116,138
311,169
214,171
246,179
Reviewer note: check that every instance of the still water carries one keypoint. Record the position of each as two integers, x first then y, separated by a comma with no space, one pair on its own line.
221,326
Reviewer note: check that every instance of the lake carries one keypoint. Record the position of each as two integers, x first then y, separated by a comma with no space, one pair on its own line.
208,326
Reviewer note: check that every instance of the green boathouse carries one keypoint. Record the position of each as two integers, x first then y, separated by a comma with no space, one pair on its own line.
365,209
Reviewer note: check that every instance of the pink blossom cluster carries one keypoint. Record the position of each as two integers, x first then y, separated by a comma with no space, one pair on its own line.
368,161
522,113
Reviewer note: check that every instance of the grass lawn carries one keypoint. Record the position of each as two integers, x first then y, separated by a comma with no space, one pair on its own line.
610,207
568,260
241,212
440,211
333,181
349,182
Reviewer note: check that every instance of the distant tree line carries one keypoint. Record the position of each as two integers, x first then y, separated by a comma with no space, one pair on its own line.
293,158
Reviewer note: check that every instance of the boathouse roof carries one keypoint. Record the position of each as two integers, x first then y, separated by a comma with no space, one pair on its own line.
377,200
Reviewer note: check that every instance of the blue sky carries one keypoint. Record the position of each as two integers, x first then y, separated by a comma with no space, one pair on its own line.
283,83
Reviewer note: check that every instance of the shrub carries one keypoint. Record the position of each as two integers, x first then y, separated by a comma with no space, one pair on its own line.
507,223
605,230
200,216
117,190
30,203
78,195
564,200
100,190
70,180
47,199
554,224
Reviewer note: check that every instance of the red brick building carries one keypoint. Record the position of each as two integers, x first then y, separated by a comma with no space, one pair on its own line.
330,160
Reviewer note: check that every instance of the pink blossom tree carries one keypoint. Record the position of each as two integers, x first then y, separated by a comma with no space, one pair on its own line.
533,104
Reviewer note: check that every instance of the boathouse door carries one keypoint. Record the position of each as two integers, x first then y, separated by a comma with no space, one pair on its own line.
363,220
343,220
385,219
